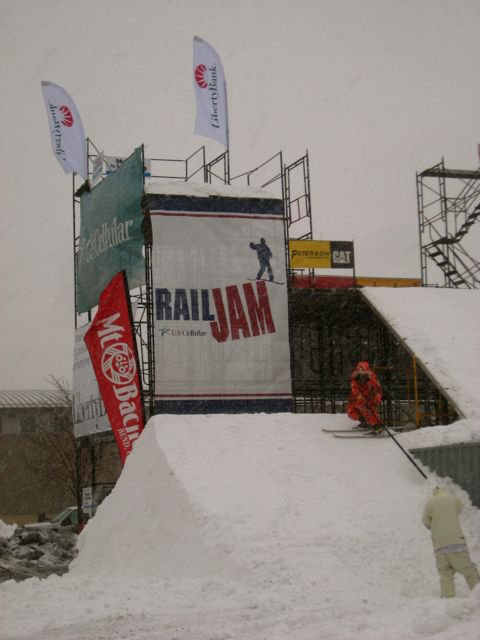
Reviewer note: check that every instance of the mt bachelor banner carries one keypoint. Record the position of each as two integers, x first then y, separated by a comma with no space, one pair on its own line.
113,351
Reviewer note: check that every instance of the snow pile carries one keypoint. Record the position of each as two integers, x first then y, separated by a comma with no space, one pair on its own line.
6,530
204,190
441,435
148,526
250,527
31,552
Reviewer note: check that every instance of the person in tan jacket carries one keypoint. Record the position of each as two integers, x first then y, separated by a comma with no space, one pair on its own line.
451,554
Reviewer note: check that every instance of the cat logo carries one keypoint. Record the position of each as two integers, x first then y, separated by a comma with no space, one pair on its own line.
342,254
342,257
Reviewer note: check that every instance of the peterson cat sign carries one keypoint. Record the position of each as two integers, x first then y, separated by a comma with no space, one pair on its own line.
321,254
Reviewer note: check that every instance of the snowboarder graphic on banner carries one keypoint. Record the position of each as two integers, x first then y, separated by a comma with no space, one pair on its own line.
263,254
365,397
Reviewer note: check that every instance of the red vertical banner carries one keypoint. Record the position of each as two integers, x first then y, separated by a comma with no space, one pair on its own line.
113,352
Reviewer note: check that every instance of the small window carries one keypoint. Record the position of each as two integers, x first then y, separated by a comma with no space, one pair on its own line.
28,424
58,422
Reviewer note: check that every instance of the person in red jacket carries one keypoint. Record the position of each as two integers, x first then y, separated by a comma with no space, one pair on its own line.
365,397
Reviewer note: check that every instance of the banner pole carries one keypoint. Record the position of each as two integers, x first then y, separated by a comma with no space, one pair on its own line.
415,388
134,340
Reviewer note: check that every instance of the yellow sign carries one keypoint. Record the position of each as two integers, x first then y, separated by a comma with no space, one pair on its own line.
321,254
309,254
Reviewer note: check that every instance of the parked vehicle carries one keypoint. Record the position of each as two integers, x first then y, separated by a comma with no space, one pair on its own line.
66,518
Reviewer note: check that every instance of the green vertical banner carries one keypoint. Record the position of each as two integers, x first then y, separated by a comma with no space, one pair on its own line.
111,237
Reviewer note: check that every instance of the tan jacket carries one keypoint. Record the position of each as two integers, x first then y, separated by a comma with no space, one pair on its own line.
441,517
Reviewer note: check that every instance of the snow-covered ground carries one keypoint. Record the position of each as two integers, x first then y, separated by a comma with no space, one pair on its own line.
266,527
7,530
253,527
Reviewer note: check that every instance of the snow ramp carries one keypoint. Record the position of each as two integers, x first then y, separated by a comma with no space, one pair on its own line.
259,495
252,527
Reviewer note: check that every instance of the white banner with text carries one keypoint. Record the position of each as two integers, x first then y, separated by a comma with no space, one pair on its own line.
220,312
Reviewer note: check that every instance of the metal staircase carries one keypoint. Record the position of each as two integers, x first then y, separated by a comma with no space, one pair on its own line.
446,224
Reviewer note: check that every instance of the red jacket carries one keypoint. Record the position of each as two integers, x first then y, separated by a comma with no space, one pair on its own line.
365,396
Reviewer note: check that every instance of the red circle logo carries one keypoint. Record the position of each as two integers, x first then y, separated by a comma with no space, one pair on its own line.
200,76
67,116
118,363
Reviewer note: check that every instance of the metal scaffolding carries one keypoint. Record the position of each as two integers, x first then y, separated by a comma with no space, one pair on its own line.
290,183
448,208
334,329
330,330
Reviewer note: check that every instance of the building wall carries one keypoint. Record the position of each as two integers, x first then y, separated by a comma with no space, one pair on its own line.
20,420
460,462
26,495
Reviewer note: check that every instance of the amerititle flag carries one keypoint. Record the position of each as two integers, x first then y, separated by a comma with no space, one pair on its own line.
66,130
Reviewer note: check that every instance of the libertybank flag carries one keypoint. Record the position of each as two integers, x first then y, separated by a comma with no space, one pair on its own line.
113,352
210,92
66,130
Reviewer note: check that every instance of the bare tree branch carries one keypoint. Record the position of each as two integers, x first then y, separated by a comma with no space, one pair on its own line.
52,451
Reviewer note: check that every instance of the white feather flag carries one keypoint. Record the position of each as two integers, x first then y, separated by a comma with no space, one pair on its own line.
210,92
66,130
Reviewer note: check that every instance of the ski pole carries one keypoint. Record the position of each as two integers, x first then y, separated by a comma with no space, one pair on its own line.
404,451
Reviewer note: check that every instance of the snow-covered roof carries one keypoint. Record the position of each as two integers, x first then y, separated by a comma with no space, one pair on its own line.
31,398
440,326
202,190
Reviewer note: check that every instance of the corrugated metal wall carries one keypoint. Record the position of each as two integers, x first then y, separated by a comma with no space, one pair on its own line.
460,462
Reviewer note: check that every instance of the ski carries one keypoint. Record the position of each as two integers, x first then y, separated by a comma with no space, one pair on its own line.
361,434
349,430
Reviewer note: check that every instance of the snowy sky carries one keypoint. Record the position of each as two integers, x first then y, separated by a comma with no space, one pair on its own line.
375,89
